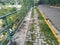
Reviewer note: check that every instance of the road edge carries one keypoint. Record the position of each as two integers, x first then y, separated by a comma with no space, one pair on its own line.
49,24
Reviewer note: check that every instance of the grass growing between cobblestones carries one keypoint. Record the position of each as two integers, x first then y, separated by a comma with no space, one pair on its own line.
31,37
49,37
29,43
32,14
32,29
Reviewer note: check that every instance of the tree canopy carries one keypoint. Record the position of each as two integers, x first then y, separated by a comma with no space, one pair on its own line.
52,2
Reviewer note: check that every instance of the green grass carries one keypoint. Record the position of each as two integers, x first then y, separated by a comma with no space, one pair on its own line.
32,14
29,43
12,20
33,37
47,33
6,42
6,11
39,14
31,29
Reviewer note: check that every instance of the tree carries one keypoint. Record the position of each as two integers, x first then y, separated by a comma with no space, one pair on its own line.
52,2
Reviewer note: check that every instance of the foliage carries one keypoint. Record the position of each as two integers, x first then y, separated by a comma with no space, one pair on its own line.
15,19
54,2
4,11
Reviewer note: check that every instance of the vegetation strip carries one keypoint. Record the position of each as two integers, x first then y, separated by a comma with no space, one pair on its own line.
45,29
30,36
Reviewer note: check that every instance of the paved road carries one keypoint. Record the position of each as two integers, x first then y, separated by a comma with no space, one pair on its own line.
52,13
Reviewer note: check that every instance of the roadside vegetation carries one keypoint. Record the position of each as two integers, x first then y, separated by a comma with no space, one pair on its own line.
4,11
31,36
50,2
14,21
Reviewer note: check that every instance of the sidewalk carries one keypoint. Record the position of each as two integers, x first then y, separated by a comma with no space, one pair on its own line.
21,35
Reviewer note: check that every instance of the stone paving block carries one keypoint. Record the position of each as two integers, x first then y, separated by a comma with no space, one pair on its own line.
43,42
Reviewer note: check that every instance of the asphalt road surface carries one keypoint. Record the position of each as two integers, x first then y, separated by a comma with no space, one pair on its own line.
52,13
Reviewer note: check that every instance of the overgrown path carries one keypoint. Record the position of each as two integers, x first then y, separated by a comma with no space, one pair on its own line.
35,31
